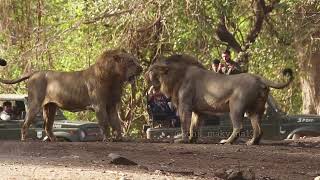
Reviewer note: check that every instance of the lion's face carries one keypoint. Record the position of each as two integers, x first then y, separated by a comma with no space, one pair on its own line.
154,73
130,65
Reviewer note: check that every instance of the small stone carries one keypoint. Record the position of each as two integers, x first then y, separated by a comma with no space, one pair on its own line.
119,160
158,172
221,173
248,174
123,178
229,171
143,167
235,175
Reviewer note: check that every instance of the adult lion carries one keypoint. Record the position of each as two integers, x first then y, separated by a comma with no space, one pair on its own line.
97,88
195,90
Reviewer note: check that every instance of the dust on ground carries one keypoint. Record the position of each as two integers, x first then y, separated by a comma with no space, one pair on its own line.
89,160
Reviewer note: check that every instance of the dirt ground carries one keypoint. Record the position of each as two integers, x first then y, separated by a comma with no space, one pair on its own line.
65,160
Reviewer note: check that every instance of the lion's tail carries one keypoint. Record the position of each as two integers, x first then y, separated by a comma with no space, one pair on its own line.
286,72
14,81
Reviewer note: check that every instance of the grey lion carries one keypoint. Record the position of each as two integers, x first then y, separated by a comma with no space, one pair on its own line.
195,90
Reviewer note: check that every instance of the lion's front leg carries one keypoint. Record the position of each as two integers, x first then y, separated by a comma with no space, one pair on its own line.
115,124
185,114
185,95
185,117
102,117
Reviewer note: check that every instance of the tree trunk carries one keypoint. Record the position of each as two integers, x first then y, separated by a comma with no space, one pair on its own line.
310,80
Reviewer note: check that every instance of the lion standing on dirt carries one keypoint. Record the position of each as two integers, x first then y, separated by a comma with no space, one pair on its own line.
97,88
195,90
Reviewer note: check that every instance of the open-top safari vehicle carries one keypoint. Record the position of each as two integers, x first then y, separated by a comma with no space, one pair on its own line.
63,129
276,125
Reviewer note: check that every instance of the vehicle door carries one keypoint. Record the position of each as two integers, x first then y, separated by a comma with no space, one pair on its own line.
11,129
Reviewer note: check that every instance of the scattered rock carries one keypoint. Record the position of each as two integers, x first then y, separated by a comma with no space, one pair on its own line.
313,173
158,172
238,150
267,178
221,173
182,172
248,174
232,174
143,167
200,173
235,175
317,178
119,160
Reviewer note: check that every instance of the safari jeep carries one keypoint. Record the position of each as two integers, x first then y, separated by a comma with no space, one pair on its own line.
276,125
63,129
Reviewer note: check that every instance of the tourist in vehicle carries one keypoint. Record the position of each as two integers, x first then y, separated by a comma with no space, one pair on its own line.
215,66
7,112
158,103
228,66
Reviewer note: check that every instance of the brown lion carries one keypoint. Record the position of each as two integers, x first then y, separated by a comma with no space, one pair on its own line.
195,90
97,88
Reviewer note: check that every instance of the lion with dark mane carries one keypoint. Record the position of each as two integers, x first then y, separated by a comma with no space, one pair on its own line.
97,88
195,90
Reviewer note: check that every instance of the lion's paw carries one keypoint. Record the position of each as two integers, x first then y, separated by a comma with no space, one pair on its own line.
178,136
193,140
116,140
181,140
252,142
225,141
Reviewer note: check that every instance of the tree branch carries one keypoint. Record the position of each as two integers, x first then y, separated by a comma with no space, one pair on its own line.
225,35
261,11
155,23
108,14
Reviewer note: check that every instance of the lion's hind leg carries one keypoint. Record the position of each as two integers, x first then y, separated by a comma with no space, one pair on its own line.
31,114
257,132
255,116
49,111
